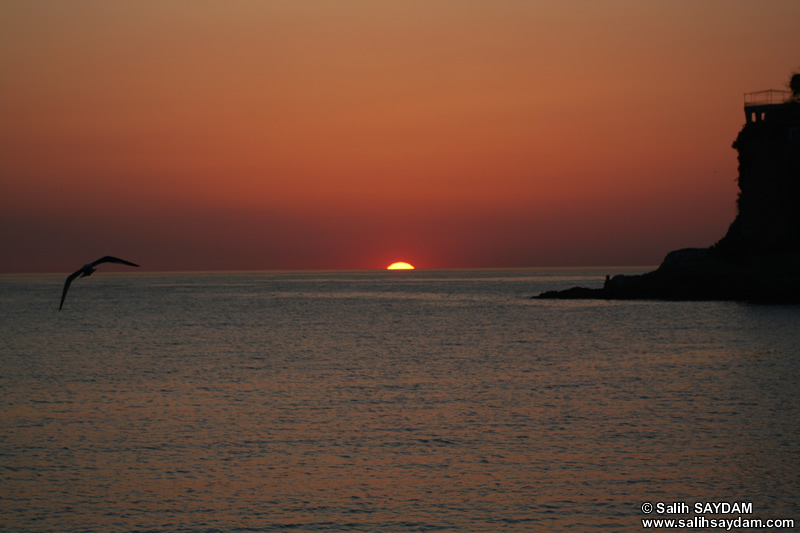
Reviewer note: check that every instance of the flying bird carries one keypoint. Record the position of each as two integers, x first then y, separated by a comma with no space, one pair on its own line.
88,269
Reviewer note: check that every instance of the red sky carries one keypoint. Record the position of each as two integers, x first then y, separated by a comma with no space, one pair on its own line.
312,134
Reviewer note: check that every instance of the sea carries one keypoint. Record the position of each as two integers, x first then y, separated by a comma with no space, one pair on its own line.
390,401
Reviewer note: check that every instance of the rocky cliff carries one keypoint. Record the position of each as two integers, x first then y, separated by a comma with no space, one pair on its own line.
758,259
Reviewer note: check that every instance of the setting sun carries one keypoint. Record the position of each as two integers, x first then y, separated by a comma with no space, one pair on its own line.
400,266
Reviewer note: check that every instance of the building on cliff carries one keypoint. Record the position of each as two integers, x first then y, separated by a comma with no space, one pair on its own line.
758,259
759,105
768,218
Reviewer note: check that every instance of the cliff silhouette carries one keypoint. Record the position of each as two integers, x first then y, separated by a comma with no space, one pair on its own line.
758,259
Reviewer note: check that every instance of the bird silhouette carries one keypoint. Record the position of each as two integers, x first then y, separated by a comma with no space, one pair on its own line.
87,270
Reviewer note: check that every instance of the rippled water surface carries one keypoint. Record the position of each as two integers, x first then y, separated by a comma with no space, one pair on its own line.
385,401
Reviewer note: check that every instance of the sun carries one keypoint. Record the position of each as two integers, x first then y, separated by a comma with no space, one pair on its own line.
400,266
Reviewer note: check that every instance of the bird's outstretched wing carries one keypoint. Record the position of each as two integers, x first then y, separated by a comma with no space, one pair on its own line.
110,259
86,270
66,286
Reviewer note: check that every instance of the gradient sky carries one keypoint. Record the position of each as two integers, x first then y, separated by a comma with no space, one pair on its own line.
349,134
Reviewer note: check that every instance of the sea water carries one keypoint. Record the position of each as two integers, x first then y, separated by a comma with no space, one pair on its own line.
386,401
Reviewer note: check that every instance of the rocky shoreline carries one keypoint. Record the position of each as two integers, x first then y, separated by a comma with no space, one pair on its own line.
701,274
758,260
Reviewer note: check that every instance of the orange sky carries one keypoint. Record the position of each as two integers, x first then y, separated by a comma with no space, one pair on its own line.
283,134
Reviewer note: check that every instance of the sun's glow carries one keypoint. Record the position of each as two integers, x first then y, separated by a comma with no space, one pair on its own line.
400,266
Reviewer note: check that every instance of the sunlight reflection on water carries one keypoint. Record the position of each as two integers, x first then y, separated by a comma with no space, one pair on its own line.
440,401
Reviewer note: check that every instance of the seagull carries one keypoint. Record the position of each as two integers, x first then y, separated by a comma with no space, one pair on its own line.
88,269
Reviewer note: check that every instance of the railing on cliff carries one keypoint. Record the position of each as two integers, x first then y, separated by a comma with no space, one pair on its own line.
768,97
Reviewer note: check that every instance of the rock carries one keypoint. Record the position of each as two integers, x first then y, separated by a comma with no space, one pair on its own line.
575,293
759,257
701,274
